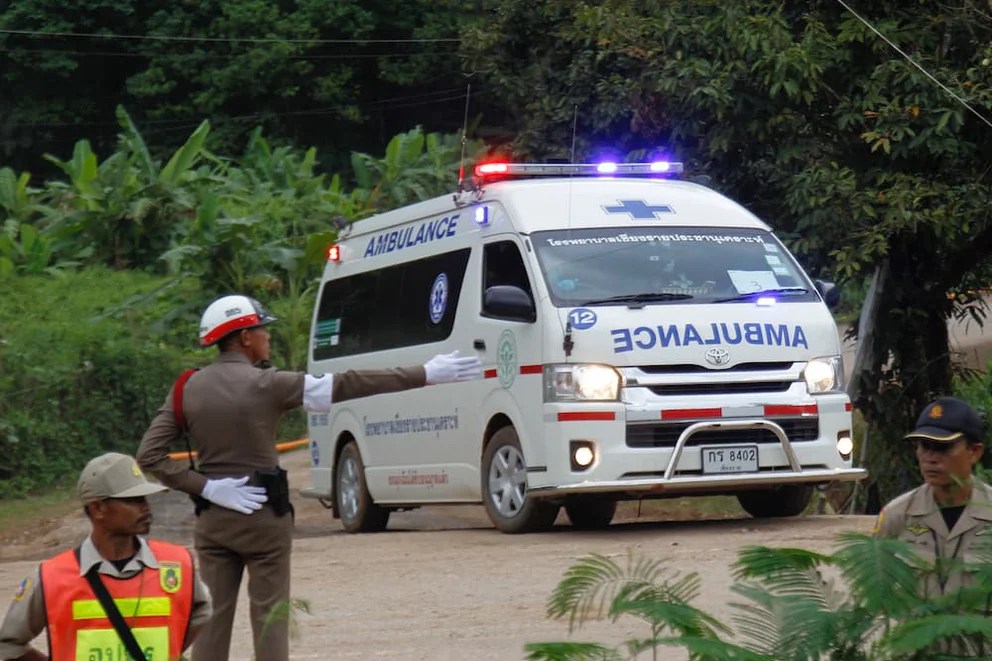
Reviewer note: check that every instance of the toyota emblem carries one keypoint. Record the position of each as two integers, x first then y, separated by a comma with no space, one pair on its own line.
717,357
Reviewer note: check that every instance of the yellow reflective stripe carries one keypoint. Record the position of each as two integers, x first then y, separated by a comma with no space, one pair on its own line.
105,645
90,609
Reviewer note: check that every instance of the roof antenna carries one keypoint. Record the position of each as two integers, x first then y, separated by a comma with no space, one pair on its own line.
575,121
461,160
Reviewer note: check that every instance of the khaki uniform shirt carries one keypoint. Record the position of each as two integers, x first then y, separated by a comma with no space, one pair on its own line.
915,517
26,617
233,410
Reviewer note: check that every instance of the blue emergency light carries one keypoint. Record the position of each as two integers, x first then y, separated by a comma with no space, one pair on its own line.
499,170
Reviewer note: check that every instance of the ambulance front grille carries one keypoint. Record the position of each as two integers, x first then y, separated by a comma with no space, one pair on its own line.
666,434
721,388
699,369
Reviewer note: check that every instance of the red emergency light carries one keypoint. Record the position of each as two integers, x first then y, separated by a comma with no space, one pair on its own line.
334,253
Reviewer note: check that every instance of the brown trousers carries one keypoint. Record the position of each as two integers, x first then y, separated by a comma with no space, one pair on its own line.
227,543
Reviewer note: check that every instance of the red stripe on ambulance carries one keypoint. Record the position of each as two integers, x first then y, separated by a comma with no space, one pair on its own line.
567,416
735,412
684,414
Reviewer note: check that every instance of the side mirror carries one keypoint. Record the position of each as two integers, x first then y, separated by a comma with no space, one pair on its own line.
829,291
508,302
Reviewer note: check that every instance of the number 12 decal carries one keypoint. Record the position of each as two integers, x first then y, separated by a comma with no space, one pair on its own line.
582,318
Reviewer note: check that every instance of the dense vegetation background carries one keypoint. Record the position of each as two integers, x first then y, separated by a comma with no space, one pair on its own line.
152,158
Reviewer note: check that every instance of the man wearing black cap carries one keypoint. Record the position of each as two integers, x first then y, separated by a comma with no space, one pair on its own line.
946,517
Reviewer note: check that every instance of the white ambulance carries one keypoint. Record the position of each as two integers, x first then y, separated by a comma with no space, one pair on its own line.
642,337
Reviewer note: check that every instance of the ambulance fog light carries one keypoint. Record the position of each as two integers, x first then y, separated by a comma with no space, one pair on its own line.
845,444
824,374
583,454
581,382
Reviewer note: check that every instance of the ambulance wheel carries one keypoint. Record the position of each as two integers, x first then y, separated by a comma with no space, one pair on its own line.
789,500
504,488
353,502
590,513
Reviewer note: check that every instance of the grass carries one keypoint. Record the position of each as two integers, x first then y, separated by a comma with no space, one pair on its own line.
20,514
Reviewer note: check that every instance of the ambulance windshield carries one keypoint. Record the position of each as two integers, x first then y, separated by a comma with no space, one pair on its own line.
651,266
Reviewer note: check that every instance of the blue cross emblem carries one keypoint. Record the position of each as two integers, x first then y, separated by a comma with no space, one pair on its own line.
639,209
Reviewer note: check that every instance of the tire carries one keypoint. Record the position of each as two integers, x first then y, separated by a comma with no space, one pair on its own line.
789,500
590,513
352,499
504,488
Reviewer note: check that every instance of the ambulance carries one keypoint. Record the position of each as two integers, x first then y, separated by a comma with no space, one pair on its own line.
642,337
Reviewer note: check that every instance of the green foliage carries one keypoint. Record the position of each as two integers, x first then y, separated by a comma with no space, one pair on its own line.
799,111
795,610
258,225
79,375
340,75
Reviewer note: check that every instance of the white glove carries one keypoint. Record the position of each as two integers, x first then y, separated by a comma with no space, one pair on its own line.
449,367
232,493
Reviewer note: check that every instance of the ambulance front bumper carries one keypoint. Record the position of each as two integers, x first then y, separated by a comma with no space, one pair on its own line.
670,476
704,484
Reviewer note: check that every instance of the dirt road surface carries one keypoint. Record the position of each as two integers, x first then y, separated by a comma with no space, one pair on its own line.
441,583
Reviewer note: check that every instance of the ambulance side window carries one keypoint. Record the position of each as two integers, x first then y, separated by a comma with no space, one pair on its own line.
503,265
389,307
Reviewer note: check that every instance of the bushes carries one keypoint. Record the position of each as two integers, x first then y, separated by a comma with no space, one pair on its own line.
860,603
80,372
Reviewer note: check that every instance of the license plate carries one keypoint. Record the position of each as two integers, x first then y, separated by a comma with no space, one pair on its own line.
730,458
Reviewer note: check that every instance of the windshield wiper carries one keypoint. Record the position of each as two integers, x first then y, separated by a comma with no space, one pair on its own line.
762,292
646,297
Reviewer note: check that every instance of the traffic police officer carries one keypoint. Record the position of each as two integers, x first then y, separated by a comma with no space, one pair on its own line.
947,517
232,410
153,583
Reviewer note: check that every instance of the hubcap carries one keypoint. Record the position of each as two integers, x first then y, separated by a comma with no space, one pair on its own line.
349,486
508,481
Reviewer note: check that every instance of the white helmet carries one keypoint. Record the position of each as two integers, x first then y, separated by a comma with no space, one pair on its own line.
231,313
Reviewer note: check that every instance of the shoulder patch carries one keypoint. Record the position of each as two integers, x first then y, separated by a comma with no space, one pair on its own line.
170,576
22,589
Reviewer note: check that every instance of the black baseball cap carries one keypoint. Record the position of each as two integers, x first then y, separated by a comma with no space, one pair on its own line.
948,419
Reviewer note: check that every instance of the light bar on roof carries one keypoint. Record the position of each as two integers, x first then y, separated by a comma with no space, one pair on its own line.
497,170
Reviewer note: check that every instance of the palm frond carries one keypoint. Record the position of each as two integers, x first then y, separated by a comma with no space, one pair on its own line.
790,626
681,619
882,574
967,632
762,561
568,651
712,649
593,582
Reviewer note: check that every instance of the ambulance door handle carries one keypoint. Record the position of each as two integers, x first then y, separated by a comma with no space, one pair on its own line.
479,344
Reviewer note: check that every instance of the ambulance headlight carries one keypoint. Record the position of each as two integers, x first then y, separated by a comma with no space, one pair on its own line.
582,382
824,374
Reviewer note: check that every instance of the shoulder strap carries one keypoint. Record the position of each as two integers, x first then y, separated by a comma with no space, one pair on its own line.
177,410
177,397
110,608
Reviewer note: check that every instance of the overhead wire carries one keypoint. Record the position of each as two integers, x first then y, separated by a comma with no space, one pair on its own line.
917,64
421,98
247,40
231,56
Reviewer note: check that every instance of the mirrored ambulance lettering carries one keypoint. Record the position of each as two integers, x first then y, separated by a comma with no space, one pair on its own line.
674,335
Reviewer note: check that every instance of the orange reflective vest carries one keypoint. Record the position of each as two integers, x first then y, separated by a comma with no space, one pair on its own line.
155,603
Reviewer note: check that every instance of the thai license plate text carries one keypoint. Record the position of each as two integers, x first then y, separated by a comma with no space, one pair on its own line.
730,458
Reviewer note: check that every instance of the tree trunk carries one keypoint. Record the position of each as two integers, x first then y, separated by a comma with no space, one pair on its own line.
904,374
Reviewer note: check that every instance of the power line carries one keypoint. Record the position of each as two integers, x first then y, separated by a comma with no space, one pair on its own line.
420,99
230,56
247,40
917,65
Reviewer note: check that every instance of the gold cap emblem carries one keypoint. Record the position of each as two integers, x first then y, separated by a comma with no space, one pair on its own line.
937,412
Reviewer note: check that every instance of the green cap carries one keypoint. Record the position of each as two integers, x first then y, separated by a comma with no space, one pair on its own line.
114,475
